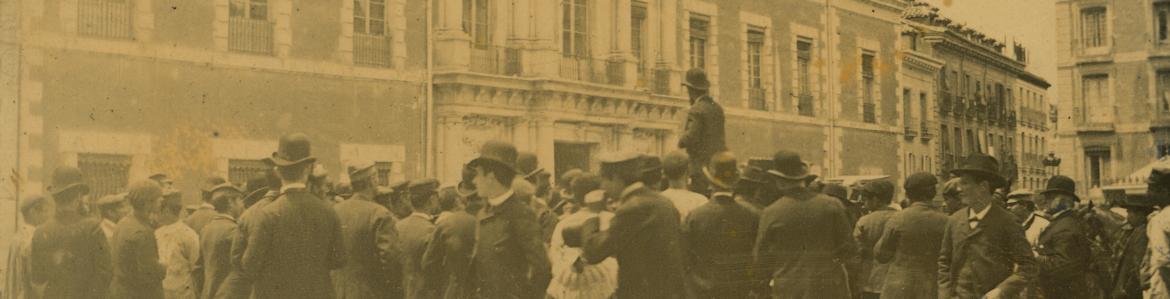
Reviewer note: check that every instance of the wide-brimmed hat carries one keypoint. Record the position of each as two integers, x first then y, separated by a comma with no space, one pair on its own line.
723,170
984,166
528,165
696,78
68,178
293,149
1059,184
788,165
497,152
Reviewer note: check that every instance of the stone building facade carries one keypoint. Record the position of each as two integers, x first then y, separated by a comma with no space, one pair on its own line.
1113,62
1033,131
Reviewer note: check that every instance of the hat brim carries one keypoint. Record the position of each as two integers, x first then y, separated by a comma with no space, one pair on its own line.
83,186
719,182
1059,191
281,162
363,173
477,161
536,172
994,178
698,87
782,175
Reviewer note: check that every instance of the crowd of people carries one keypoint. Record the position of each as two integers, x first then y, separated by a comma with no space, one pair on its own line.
698,222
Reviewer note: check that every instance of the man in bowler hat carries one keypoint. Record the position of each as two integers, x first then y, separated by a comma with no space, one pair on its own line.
509,259
703,135
1063,254
720,234
910,243
370,238
297,239
984,253
70,253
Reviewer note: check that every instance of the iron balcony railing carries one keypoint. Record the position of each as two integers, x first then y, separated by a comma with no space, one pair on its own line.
615,71
249,35
577,68
944,106
804,105
661,82
925,130
372,50
496,60
757,99
869,113
104,18
911,128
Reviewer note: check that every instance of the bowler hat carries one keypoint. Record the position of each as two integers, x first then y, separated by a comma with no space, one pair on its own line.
723,170
293,149
1060,184
756,170
984,166
583,184
528,165
497,152
787,165
696,78
360,170
920,180
67,178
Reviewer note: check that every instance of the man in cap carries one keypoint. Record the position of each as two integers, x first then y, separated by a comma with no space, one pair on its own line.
910,243
534,187
297,238
984,253
34,211
448,254
509,256
1158,233
399,199
70,254
952,202
415,233
1021,203
112,208
1063,253
676,166
644,234
238,284
370,237
563,192
178,247
755,184
196,220
652,172
572,277
216,244
1131,250
704,133
720,235
871,276
137,271
162,179
803,237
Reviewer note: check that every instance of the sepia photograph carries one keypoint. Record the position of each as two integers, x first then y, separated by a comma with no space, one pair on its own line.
584,149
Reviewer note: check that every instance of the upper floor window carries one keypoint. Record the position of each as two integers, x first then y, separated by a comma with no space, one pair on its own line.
104,173
755,46
248,27
476,22
637,32
1162,21
1093,29
104,18
1095,89
371,46
1163,95
869,108
803,77
574,28
699,26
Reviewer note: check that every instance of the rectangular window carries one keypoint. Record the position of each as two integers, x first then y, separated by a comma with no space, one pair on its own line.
699,27
1096,95
907,107
1163,96
637,33
1098,165
105,18
755,47
803,76
248,27
869,113
922,107
240,171
384,171
1162,21
104,173
574,37
1093,27
371,46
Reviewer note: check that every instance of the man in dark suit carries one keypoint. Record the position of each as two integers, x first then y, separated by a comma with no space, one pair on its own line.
216,244
370,237
509,259
984,253
803,237
70,256
910,243
1063,253
871,276
137,272
644,234
703,135
206,210
720,235
415,233
1131,249
536,190
448,255
239,284
297,238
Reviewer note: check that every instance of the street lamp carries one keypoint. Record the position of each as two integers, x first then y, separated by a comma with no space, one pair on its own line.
1052,162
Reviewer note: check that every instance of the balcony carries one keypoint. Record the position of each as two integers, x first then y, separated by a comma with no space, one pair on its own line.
578,68
757,99
1011,119
910,129
372,50
927,134
944,106
249,35
804,105
615,71
661,84
104,18
496,60
869,113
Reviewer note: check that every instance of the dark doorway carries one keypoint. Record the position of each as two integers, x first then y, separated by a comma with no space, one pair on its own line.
572,155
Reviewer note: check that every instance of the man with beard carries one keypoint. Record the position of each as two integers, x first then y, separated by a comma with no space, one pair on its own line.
1063,253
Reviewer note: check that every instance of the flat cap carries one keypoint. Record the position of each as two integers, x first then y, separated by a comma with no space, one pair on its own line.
423,185
144,190
358,170
920,180
882,189
399,186
111,199
225,186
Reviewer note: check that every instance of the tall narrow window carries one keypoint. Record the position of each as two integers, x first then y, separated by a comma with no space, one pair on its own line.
1095,89
1098,164
700,25
755,46
248,27
922,110
907,108
1163,96
1162,21
1093,27
869,113
575,28
638,34
803,77
371,46
477,22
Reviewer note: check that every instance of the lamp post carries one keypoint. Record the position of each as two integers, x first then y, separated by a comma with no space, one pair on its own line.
1052,162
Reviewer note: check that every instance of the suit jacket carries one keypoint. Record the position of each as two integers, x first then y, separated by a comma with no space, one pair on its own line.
371,250
296,242
415,233
200,218
803,240
910,244
1131,249
704,133
645,238
509,258
216,246
448,255
720,235
238,284
869,229
70,256
993,255
1063,258
137,272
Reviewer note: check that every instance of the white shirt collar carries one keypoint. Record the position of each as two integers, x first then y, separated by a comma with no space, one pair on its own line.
286,187
631,188
1057,215
107,222
421,214
978,216
499,199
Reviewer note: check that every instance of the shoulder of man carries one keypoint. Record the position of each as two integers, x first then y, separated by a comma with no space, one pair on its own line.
517,206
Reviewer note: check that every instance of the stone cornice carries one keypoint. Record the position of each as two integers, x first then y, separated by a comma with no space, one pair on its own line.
952,41
921,61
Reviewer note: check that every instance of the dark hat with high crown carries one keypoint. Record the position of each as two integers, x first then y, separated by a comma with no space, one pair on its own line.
293,149
1059,184
497,152
723,170
788,165
696,78
528,165
983,166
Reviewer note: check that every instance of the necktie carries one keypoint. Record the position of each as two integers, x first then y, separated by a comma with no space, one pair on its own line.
973,221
